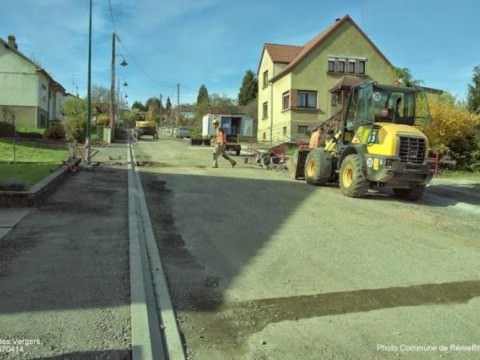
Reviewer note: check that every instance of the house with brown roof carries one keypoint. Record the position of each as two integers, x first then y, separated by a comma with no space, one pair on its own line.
28,94
297,84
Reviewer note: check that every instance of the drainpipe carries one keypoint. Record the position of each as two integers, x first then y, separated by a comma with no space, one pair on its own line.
271,112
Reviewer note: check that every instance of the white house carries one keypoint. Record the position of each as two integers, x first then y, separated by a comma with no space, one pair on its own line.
28,94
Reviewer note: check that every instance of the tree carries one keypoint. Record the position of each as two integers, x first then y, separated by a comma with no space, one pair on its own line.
75,113
101,99
452,130
139,106
405,77
249,88
152,101
153,105
473,100
223,104
168,106
202,97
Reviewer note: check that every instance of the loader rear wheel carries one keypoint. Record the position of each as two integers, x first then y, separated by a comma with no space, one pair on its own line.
412,194
352,180
318,167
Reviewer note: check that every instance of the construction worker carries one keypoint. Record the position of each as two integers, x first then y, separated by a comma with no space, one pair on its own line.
317,138
220,145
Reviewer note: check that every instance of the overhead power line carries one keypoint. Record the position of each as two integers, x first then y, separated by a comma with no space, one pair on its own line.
111,15
132,57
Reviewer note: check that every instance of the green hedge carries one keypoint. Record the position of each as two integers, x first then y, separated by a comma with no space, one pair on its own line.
6,129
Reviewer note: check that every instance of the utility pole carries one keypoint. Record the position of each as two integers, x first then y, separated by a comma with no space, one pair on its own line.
89,88
178,105
112,92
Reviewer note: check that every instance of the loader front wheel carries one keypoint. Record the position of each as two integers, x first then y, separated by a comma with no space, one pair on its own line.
352,180
318,167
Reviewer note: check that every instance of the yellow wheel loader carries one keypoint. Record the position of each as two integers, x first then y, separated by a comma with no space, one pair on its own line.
375,143
145,127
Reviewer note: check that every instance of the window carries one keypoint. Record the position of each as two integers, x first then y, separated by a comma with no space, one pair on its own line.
361,67
265,79
286,100
302,129
351,67
284,131
43,93
307,99
331,65
264,136
335,100
265,110
346,65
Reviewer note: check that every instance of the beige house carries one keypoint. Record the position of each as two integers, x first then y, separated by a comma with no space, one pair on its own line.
28,94
297,83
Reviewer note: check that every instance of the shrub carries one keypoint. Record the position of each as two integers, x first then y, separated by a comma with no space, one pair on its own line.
29,135
56,131
103,120
6,129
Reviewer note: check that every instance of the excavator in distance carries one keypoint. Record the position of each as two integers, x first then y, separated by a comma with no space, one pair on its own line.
375,143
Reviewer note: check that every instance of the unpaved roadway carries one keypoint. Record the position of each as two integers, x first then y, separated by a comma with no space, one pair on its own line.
64,278
263,267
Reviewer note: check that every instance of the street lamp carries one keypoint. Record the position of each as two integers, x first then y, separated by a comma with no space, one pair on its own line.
125,84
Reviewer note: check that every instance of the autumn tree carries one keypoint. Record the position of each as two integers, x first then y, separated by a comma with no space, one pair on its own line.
75,114
452,130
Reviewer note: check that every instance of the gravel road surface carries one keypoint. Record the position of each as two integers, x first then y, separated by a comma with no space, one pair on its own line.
264,267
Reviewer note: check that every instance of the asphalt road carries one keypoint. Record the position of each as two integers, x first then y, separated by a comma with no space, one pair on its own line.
264,267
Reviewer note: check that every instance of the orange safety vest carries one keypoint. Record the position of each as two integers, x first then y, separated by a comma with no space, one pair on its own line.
314,140
220,137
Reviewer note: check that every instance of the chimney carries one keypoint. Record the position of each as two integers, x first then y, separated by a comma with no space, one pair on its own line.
12,42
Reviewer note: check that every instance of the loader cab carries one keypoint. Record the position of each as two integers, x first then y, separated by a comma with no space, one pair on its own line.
371,103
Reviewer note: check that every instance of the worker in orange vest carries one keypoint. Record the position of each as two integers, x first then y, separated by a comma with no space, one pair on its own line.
220,145
317,138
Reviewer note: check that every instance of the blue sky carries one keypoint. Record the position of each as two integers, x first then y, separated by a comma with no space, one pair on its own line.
214,42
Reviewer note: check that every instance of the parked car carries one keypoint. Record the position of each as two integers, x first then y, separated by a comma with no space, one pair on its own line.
182,132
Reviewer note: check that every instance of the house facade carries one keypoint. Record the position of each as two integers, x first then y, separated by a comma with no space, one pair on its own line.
296,82
28,94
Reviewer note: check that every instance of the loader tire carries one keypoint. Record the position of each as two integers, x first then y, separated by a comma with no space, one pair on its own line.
318,167
412,194
292,165
352,179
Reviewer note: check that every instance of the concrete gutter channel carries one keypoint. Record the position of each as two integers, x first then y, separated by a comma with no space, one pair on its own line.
155,334
154,329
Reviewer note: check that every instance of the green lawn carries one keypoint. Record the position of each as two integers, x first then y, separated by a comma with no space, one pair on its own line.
30,152
29,174
33,162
